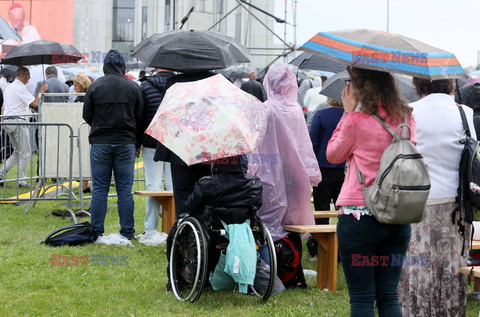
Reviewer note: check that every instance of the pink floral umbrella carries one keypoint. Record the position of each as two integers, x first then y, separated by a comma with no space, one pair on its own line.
208,119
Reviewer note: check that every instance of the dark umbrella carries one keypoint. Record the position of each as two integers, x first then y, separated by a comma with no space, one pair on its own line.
239,71
135,65
188,51
42,52
310,61
471,95
386,52
9,71
334,85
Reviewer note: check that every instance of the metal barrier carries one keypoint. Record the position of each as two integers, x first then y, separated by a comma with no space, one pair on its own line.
56,157
12,183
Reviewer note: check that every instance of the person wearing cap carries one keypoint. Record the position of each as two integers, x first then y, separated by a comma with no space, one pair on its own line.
16,18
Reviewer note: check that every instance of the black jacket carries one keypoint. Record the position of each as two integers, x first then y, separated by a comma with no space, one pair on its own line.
162,153
113,105
230,187
254,88
153,89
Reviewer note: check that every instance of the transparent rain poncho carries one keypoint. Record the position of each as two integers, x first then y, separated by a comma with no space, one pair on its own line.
284,159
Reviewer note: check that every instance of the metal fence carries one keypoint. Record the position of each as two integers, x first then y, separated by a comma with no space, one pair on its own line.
59,159
34,185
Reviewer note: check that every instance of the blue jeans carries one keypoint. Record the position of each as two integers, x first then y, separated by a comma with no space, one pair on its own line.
364,246
119,158
154,172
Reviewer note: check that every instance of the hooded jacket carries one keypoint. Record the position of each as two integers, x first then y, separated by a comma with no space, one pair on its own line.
288,179
230,186
313,98
113,105
153,89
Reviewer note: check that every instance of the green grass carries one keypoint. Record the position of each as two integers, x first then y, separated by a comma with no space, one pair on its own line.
31,286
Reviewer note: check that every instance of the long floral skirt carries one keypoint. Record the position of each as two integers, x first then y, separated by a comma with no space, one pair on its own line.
431,284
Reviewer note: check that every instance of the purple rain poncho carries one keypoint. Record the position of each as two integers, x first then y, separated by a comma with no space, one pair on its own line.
284,159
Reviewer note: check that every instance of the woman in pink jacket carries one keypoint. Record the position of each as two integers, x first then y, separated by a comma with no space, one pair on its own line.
370,251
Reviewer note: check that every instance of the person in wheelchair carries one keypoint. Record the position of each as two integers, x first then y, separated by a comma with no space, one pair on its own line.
232,196
231,192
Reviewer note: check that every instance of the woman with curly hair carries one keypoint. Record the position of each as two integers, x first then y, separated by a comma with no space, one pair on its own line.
366,246
434,286
80,84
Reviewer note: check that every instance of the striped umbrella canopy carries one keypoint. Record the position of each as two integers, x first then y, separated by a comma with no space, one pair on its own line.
384,51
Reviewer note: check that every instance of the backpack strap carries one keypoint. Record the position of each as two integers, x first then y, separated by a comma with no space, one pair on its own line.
461,190
404,126
466,129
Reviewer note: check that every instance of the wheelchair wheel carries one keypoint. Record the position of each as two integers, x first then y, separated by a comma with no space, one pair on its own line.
262,236
188,260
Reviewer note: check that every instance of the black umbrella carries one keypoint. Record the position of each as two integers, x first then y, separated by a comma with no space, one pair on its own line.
188,51
471,95
239,71
135,65
42,52
334,85
9,71
310,61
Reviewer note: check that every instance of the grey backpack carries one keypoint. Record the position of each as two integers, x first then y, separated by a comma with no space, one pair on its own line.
400,191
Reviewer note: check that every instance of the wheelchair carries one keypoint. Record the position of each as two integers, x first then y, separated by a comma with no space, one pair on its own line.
196,247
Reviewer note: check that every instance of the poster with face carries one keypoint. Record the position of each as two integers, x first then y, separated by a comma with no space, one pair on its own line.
30,20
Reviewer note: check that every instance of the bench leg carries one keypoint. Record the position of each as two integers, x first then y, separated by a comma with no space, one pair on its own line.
168,212
327,260
476,284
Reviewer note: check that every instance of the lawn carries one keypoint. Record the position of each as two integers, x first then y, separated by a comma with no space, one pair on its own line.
31,286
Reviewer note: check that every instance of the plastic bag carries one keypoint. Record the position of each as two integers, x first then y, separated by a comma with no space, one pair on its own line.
153,238
262,279
219,279
114,239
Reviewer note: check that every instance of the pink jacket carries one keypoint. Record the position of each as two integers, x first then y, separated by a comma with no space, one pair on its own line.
361,139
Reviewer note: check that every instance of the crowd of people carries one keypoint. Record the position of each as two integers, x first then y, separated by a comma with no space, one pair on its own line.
342,133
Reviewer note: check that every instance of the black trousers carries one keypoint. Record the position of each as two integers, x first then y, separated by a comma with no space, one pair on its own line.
328,189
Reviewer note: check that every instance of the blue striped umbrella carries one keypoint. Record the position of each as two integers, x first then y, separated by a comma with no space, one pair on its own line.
384,51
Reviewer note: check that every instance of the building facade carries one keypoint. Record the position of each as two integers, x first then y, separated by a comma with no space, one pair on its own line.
102,24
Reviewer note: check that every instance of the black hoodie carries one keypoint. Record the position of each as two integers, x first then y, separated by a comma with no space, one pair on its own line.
113,105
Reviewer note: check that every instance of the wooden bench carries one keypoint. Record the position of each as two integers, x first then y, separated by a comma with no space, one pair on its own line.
325,214
475,245
165,199
326,236
475,273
